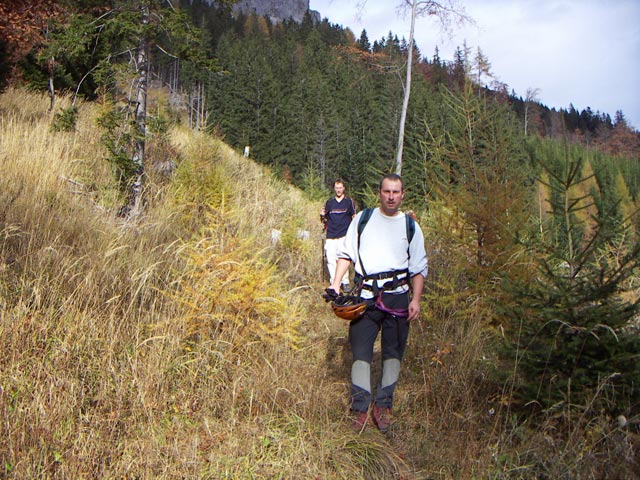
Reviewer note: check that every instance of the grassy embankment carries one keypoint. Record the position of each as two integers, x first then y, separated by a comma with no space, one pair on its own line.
186,345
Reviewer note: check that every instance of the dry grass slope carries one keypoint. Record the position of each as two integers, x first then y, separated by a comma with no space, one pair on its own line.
184,346
187,345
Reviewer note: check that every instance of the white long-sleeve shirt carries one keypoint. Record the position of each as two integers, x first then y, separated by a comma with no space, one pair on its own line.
383,248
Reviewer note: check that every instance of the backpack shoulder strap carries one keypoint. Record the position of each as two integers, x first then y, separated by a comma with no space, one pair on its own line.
364,218
411,227
411,230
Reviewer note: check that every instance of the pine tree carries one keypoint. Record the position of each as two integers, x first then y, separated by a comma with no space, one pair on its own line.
482,66
363,42
569,335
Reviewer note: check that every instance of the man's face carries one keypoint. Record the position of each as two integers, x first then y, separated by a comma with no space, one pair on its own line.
391,195
339,189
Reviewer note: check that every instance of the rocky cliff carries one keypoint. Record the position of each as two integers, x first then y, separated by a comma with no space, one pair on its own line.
277,10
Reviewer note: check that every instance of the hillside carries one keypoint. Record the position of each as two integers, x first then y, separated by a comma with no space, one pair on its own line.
315,102
121,354
186,345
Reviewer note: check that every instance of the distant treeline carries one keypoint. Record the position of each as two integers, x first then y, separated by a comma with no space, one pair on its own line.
315,102
312,100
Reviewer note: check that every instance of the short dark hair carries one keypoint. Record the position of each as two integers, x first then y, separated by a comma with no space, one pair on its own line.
338,180
394,177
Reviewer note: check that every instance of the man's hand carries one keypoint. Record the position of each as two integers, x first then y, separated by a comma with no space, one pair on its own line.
414,309
330,295
417,284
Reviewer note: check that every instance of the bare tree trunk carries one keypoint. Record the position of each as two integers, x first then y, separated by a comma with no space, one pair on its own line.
444,11
197,107
532,96
52,92
407,91
138,159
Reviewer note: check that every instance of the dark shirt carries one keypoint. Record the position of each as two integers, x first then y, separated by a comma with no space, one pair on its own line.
339,215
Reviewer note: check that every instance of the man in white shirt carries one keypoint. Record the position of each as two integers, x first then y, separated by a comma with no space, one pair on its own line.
388,259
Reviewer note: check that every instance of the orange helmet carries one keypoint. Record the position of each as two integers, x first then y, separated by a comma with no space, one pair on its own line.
349,307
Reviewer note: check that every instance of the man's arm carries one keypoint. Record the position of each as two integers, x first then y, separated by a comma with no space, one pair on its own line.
417,284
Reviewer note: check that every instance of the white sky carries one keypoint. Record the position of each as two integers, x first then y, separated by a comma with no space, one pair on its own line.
580,52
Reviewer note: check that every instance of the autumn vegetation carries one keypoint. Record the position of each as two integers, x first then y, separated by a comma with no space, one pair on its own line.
184,342
187,344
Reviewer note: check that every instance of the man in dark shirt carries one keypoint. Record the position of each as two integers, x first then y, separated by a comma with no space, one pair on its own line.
337,214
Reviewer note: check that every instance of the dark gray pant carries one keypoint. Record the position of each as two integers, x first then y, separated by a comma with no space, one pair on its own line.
362,336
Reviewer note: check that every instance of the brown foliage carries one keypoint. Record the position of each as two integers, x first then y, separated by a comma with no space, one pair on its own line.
23,26
623,141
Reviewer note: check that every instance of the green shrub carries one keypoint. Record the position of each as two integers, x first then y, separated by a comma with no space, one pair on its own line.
65,120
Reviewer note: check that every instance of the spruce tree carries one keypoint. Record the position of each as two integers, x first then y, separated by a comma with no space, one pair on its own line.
570,332
363,42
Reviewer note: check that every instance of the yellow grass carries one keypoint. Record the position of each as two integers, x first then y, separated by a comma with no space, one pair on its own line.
186,344
180,346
